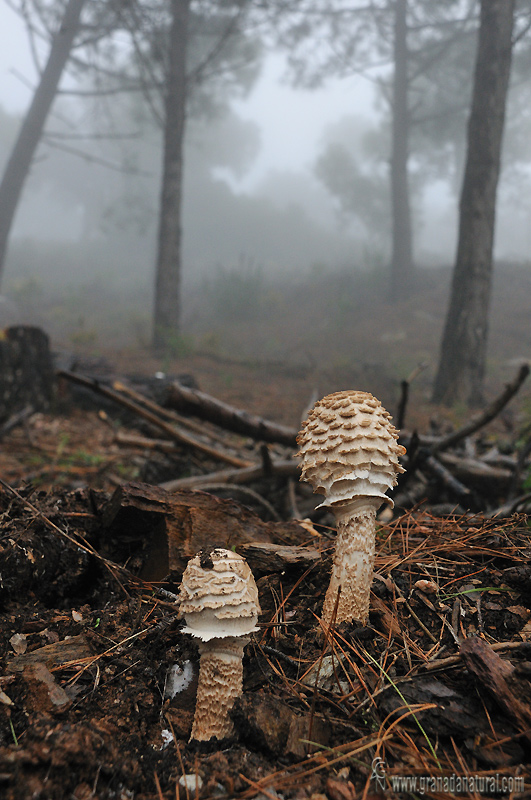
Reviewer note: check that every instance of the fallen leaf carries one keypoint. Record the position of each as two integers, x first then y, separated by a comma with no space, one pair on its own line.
428,587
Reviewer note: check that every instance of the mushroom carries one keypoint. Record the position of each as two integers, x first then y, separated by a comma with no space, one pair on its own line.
349,452
219,602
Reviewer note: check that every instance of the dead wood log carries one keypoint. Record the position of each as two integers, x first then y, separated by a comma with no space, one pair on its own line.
522,463
499,679
477,471
167,413
170,430
74,650
246,494
441,710
267,557
225,416
168,528
437,470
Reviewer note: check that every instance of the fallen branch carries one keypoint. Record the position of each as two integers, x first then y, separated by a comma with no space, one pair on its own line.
266,558
167,413
172,431
143,442
14,420
245,475
436,469
225,416
486,416
511,507
473,469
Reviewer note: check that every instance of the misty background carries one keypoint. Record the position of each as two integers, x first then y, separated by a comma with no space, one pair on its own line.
266,208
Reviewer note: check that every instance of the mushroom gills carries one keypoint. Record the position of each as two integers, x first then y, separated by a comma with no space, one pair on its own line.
215,624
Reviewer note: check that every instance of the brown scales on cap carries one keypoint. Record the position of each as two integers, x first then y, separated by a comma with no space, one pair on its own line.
349,452
219,601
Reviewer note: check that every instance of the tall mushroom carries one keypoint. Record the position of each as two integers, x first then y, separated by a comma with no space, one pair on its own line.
219,602
349,452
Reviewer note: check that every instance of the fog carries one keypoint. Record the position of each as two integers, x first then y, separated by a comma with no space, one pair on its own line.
257,193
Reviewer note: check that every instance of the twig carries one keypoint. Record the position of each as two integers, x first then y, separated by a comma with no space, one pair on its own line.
144,442
486,416
402,404
245,475
419,622
292,496
434,466
272,651
14,420
452,661
404,395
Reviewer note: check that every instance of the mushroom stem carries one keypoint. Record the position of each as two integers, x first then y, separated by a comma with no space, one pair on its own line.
353,564
220,683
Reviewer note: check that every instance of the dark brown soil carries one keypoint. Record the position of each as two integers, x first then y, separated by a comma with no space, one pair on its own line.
88,650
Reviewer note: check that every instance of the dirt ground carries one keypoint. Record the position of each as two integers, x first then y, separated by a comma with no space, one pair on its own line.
98,684
90,646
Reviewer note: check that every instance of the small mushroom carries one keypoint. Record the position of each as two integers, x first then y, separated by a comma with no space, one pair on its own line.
349,452
219,602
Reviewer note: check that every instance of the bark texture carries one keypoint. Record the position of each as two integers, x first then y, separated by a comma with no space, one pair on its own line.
461,370
401,254
168,268
30,133
26,371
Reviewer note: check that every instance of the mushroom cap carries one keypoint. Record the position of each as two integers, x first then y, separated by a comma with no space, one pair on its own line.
349,449
218,596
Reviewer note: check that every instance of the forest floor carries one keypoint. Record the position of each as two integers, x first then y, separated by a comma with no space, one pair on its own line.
97,684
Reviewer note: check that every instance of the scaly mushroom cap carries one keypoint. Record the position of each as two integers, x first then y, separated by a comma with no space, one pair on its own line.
349,449
218,596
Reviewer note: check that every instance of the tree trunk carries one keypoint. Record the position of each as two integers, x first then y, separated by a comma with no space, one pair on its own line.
463,349
26,371
401,254
30,133
168,268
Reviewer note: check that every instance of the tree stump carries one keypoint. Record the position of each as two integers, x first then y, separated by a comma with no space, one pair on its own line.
26,370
